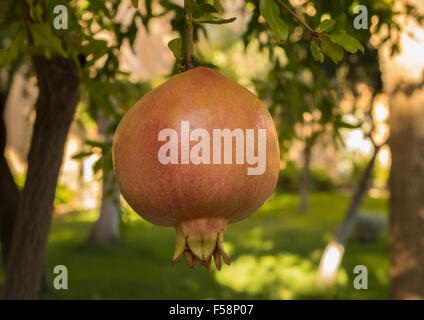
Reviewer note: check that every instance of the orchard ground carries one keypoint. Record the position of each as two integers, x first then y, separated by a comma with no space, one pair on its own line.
275,255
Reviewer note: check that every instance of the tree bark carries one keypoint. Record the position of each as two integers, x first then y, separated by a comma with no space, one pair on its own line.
403,79
106,228
58,84
407,198
9,193
305,183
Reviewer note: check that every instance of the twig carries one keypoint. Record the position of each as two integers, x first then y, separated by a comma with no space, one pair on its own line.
27,19
188,61
314,34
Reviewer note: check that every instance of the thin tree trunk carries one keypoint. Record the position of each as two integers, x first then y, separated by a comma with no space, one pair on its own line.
349,220
58,84
305,184
358,197
106,228
9,193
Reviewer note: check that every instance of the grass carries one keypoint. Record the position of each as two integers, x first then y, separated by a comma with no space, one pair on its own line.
274,253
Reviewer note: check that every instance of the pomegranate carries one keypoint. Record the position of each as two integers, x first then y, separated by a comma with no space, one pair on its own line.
197,153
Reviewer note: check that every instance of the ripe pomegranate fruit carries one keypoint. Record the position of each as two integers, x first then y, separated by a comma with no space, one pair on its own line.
190,187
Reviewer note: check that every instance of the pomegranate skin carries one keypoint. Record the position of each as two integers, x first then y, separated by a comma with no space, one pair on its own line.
177,194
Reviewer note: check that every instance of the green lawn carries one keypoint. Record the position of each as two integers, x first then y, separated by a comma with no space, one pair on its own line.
274,253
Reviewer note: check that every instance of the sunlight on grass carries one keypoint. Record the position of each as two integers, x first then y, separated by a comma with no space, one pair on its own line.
254,240
285,276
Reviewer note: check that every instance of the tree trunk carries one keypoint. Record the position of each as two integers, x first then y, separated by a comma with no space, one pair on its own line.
403,82
407,197
9,193
356,203
106,228
305,183
58,84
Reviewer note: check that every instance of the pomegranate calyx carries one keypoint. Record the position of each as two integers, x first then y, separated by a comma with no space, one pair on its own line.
200,240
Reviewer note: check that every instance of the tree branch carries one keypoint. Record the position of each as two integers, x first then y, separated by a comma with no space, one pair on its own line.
314,34
27,19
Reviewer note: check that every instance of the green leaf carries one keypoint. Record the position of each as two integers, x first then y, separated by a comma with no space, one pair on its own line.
316,52
81,155
203,9
44,37
395,49
340,22
98,165
96,144
192,5
99,7
135,3
348,42
98,48
176,46
12,53
271,13
213,20
346,125
327,25
15,28
217,5
331,49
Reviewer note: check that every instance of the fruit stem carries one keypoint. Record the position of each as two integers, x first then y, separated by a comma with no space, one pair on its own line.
188,61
